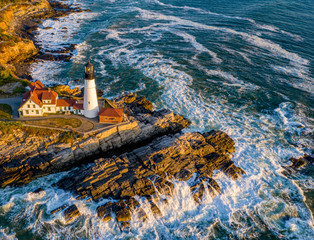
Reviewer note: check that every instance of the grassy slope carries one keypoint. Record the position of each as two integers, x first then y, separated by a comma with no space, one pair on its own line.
8,40
5,112
57,122
7,128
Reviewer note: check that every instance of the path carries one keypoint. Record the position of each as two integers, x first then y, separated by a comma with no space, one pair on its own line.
14,103
87,124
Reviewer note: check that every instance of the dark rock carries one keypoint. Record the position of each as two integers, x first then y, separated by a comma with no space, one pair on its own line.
39,190
71,213
297,164
125,226
106,218
59,209
220,141
104,210
156,211
123,215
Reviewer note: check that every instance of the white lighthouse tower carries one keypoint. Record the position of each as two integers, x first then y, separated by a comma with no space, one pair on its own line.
91,108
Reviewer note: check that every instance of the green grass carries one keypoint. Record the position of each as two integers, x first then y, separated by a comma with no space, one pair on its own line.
6,76
5,112
7,128
57,122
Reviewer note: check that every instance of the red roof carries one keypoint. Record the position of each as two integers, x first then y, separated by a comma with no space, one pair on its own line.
65,102
111,112
38,93
38,84
78,106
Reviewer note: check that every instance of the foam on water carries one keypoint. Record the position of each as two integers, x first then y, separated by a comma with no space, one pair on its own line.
262,201
297,63
199,47
257,151
260,26
48,72
54,34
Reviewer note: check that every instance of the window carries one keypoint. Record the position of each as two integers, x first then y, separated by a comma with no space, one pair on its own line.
34,106
49,109
27,112
28,106
88,102
32,110
44,107
37,112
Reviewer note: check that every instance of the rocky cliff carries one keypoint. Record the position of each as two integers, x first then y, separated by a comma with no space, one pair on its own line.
149,171
24,158
141,157
12,47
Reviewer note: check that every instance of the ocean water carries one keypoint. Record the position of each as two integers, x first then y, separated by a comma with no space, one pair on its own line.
244,67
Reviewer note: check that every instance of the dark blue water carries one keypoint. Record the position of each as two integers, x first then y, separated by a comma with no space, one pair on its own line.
245,67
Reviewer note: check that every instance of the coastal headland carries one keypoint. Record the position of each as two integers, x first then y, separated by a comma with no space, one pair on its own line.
139,158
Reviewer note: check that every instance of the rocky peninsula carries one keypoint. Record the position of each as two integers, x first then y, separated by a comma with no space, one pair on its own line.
139,158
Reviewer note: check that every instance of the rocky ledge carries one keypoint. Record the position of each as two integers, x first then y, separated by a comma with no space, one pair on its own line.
140,158
149,172
24,158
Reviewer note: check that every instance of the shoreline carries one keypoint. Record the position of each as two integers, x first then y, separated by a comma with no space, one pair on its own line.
29,28
22,29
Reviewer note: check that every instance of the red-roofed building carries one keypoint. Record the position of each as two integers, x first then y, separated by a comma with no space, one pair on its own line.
65,105
38,84
38,101
110,115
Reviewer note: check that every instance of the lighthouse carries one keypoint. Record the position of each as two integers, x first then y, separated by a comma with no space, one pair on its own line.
90,106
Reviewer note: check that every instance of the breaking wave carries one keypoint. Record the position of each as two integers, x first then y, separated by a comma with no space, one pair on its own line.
209,73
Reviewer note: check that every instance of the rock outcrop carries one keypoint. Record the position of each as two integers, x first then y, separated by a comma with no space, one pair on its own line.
12,47
298,164
24,158
149,172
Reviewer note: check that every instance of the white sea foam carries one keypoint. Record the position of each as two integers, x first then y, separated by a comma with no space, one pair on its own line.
199,47
296,61
47,72
301,73
261,197
201,11
278,30
255,40
54,34
260,26
6,236
79,56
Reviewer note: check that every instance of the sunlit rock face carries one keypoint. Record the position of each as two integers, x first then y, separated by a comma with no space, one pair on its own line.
26,157
148,171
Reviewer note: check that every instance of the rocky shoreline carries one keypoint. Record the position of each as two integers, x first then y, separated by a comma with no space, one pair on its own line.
18,46
139,158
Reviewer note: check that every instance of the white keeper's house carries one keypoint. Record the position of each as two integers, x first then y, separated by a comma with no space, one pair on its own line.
39,101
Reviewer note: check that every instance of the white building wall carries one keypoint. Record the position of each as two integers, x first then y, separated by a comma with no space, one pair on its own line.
31,109
91,108
49,108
